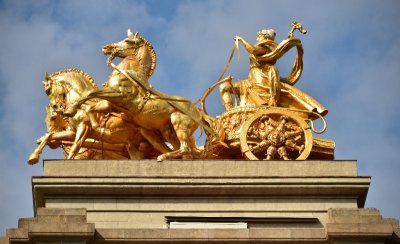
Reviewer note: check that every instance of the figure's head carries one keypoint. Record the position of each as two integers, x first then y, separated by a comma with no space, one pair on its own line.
266,35
125,47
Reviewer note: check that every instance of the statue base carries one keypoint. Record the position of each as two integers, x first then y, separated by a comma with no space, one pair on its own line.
202,201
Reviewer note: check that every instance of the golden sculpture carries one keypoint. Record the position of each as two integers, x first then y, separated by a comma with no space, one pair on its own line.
128,118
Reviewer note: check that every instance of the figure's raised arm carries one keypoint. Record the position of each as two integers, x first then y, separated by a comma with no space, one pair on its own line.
252,49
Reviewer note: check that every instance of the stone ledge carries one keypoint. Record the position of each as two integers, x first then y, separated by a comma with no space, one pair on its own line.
344,187
306,235
384,230
198,168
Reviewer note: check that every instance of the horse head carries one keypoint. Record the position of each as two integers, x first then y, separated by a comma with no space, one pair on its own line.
47,83
68,84
126,47
51,85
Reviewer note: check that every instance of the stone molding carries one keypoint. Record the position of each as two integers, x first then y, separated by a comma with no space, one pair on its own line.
53,225
199,178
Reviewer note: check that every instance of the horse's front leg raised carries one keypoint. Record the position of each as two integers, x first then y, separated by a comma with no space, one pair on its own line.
46,140
34,157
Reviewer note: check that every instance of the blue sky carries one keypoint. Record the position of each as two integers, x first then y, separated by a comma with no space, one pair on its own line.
351,65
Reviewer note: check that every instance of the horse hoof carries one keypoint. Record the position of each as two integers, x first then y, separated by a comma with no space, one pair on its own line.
187,157
33,159
161,158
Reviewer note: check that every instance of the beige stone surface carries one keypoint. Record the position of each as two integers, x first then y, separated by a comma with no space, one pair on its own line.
199,168
136,202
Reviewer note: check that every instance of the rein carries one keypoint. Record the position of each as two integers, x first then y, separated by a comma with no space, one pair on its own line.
202,100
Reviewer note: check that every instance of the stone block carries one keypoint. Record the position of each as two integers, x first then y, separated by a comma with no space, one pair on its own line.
61,211
345,224
4,240
24,222
77,230
17,234
354,215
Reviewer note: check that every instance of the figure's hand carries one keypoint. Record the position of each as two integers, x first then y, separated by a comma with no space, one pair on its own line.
238,38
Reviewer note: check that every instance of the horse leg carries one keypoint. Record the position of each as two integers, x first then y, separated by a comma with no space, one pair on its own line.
155,140
61,135
184,127
193,146
81,133
133,151
44,140
34,157
169,135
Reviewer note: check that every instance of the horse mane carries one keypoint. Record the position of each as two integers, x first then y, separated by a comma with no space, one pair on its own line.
77,71
152,55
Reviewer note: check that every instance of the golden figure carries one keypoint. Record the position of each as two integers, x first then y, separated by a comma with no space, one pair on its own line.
273,118
264,85
128,119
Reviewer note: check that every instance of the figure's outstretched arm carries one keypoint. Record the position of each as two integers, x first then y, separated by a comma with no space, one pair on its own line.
252,49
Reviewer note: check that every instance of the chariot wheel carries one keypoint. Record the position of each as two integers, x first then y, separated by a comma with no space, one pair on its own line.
275,134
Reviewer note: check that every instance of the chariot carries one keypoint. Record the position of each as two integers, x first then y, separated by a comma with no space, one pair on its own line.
267,133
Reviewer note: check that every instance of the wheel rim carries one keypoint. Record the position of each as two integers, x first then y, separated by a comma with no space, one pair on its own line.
275,134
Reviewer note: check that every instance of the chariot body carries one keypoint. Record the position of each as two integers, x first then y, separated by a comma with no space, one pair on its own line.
127,118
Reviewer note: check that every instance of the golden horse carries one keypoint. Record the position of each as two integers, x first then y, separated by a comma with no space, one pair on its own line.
127,89
113,137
